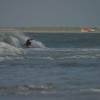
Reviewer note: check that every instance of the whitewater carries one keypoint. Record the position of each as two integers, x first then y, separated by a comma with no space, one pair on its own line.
60,66
12,43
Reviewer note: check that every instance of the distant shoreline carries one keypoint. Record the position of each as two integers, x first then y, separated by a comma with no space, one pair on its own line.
48,29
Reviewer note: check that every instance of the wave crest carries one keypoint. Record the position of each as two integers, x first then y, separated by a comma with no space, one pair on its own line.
12,43
25,89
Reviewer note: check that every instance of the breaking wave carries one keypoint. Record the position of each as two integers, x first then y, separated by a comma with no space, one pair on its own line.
12,43
91,90
26,89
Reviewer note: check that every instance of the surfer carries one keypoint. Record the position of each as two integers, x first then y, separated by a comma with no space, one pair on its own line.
28,43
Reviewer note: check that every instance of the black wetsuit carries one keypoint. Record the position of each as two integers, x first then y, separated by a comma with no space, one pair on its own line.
28,43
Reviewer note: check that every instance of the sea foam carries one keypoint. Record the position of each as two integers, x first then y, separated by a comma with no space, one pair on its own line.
12,43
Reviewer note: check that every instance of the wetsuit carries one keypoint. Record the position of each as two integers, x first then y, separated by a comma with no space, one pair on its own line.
28,43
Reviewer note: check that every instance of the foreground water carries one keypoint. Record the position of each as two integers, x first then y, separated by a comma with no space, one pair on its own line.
66,66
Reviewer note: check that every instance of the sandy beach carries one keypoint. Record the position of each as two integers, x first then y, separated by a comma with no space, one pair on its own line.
50,29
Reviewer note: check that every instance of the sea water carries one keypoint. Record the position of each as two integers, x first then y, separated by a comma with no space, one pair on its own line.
63,66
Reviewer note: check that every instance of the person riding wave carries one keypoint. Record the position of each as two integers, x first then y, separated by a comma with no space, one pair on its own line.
28,43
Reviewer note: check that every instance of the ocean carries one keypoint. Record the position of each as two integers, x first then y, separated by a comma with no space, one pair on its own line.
60,66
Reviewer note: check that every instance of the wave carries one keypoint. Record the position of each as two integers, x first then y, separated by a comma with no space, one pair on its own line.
65,53
6,49
26,89
91,90
12,43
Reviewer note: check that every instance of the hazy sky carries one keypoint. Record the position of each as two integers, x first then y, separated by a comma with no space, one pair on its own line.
49,12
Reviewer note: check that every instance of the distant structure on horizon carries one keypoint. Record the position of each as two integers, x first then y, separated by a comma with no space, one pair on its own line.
87,29
50,29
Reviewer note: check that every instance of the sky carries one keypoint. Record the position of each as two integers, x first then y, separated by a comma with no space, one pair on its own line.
30,13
